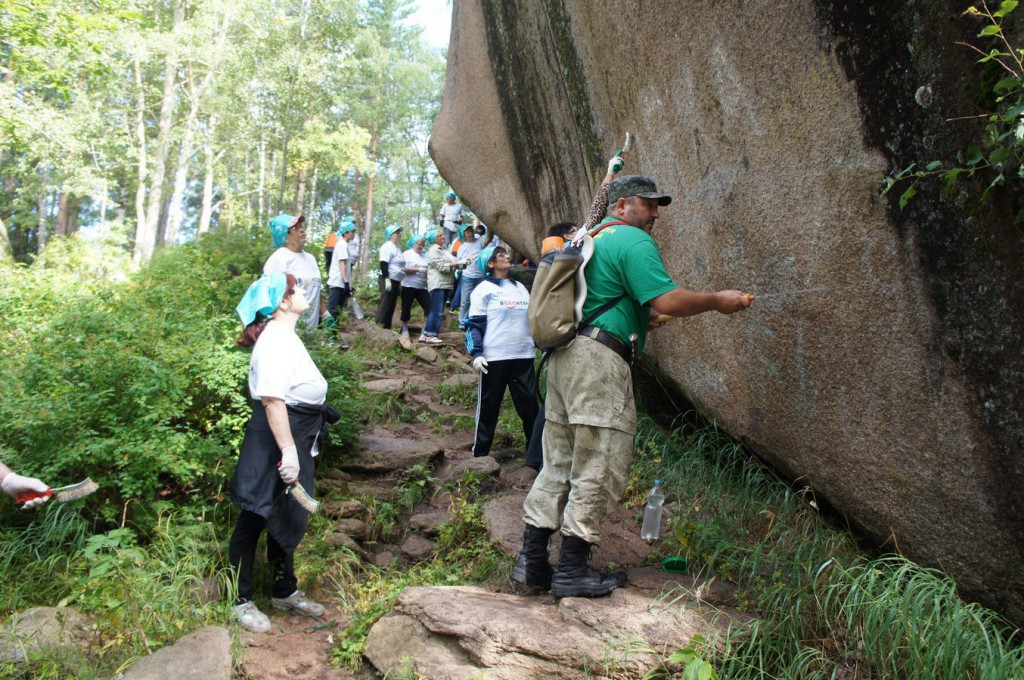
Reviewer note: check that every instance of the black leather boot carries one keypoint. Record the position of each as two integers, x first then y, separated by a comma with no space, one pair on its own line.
573,578
532,566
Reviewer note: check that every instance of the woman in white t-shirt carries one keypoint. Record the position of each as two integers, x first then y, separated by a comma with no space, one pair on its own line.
392,271
498,338
288,414
414,285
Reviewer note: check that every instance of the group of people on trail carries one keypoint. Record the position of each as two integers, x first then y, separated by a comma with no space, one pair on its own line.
581,442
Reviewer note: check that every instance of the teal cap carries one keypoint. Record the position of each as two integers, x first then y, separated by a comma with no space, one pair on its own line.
391,231
280,225
346,227
450,194
485,256
263,297
431,237
413,239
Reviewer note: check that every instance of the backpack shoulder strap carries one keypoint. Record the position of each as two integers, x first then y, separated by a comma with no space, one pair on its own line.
611,303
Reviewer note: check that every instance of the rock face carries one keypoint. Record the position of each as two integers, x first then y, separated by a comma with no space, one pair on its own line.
894,390
467,632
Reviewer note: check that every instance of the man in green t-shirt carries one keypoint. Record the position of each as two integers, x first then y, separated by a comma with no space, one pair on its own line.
590,411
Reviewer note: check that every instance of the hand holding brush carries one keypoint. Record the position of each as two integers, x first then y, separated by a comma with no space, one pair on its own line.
31,492
288,468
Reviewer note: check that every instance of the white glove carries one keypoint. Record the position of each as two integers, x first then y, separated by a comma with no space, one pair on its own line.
615,164
387,285
480,364
289,468
15,484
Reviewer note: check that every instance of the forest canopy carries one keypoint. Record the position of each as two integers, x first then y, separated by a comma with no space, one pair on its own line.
148,123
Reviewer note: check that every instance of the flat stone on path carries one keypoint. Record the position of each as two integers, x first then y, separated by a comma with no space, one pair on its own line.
339,539
385,454
204,654
427,355
482,465
428,523
386,386
461,380
342,509
417,548
355,528
463,632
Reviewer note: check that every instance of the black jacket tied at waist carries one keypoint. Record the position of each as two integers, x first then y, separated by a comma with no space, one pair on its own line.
257,486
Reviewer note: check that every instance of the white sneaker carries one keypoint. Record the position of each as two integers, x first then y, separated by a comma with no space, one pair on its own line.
298,603
433,340
251,618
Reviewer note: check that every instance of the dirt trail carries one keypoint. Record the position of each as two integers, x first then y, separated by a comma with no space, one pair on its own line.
439,434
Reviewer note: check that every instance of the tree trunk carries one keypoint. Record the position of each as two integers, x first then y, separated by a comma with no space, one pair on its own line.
204,213
62,214
144,246
140,132
284,174
103,205
364,247
6,253
174,212
300,192
311,212
42,209
263,180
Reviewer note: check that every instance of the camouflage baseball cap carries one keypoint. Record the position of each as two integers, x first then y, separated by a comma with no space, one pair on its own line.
636,185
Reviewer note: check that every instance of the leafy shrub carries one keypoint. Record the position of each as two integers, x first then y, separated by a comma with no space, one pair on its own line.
138,384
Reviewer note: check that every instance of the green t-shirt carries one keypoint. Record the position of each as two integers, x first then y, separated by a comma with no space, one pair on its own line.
625,260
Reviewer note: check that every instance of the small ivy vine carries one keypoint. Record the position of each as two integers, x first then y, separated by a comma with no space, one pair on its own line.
1001,149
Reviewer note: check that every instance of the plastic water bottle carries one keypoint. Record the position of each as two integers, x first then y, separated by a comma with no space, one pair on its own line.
652,513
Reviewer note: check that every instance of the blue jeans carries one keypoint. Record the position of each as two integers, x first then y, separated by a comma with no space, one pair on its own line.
433,324
466,291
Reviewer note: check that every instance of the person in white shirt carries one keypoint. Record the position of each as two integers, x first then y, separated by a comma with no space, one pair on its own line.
471,275
450,216
288,413
338,278
392,271
498,338
289,234
414,285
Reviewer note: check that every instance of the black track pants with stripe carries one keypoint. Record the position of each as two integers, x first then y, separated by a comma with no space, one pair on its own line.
518,376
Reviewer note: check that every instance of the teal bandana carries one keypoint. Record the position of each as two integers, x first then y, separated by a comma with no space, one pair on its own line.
263,297
484,257
280,225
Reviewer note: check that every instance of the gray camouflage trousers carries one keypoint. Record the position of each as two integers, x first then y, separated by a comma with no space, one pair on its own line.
588,441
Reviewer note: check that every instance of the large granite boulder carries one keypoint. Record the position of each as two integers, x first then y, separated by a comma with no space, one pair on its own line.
893,389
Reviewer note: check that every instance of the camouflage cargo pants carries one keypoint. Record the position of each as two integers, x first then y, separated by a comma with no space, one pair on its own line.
588,441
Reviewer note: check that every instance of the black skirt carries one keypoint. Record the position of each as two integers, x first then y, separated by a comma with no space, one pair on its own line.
256,485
